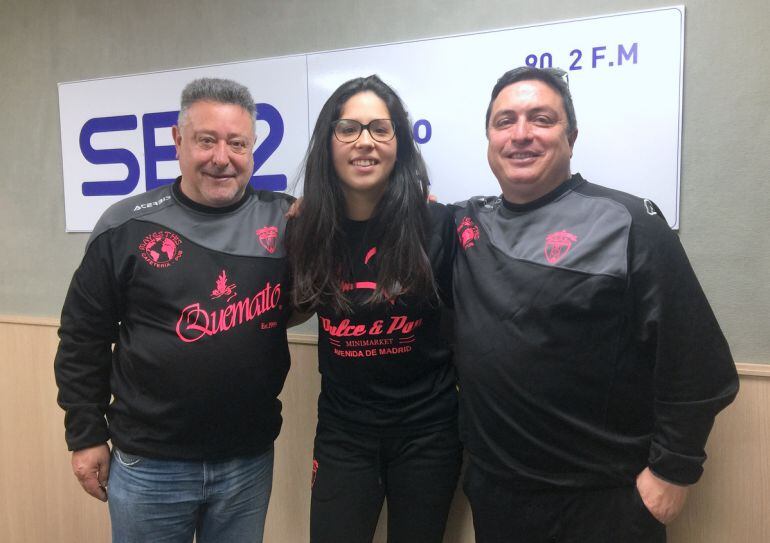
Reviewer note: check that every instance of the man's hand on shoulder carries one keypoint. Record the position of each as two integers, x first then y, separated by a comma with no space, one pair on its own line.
294,210
664,500
92,468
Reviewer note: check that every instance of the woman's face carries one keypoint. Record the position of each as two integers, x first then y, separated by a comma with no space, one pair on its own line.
364,165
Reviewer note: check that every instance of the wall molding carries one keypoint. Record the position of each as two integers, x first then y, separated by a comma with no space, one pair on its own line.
296,338
744,368
26,319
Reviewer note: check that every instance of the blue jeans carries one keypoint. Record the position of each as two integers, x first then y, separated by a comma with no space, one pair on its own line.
167,501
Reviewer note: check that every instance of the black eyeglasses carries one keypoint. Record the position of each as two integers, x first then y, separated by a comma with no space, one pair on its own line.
348,130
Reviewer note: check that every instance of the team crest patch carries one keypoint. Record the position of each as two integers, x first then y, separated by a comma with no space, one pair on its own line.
468,232
268,237
557,245
161,249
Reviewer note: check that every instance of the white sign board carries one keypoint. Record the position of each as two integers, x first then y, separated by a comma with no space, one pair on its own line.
625,74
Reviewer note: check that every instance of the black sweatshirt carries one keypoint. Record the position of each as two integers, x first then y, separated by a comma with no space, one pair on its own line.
194,299
586,349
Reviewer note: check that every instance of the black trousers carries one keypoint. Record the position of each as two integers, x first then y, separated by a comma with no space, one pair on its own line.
354,473
503,513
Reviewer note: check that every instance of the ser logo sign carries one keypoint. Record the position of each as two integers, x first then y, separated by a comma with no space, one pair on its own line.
153,153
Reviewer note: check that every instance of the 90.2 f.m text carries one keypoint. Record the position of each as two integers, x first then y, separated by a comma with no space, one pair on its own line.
599,56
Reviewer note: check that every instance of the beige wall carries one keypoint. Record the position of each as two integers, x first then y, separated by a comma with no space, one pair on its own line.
40,500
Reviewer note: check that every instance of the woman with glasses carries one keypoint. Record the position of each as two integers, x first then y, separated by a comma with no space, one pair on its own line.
373,259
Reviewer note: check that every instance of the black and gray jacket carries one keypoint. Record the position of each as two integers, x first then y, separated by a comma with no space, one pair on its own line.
194,300
586,349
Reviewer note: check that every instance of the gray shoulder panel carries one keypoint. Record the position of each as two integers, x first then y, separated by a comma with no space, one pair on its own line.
132,207
254,229
480,201
577,232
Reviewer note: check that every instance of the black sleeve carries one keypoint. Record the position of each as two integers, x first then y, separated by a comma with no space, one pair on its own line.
89,327
444,246
694,373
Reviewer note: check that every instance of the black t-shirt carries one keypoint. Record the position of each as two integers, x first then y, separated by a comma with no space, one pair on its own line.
386,369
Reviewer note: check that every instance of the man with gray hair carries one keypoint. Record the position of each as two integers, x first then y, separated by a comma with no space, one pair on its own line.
173,339
591,366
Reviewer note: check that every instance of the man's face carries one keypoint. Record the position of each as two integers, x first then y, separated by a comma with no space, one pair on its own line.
529,148
214,146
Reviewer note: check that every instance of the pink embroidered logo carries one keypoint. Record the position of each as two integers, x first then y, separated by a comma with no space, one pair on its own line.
557,245
223,288
315,472
161,249
365,285
268,237
196,322
468,232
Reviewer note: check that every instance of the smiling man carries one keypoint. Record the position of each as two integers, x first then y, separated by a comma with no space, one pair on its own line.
191,292
591,366
214,142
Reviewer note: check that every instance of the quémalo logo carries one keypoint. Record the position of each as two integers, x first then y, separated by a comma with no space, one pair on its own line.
161,249
223,288
197,322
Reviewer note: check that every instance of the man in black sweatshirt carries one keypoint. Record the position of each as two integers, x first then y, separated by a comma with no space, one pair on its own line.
591,366
189,282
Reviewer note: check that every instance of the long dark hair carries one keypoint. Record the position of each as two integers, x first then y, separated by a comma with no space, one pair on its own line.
400,222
